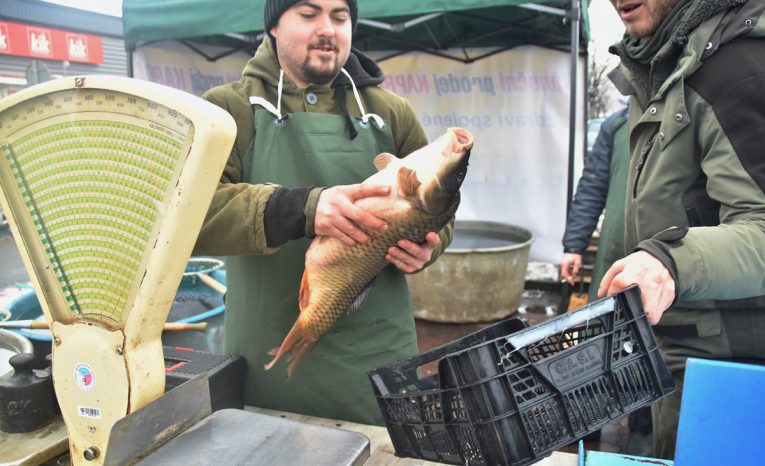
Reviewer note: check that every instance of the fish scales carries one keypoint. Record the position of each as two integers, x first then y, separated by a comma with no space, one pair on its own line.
356,266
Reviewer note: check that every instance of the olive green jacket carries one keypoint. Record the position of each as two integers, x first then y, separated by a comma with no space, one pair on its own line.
696,187
236,218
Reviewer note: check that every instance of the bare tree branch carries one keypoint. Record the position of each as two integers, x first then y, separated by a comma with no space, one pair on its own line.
597,89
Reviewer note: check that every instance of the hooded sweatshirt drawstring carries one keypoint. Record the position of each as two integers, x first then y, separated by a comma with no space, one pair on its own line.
342,102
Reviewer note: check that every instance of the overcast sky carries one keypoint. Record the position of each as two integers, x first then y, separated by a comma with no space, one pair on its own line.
605,29
107,7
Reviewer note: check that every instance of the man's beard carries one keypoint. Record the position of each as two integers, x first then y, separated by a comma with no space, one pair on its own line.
663,7
318,76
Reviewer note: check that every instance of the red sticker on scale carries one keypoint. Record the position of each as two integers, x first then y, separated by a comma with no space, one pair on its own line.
84,376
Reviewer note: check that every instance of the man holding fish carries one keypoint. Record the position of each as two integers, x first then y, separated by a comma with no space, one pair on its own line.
311,114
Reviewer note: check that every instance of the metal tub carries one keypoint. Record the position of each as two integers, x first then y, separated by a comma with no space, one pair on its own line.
479,278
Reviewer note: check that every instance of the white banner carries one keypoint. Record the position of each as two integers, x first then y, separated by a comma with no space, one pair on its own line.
516,103
174,64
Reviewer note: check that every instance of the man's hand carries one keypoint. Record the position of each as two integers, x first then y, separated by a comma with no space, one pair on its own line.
657,288
569,266
410,257
337,216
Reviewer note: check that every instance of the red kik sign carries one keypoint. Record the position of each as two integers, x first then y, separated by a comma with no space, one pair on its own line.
52,44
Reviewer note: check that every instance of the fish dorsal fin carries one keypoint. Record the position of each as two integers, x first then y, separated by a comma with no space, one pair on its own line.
407,181
305,291
360,299
382,160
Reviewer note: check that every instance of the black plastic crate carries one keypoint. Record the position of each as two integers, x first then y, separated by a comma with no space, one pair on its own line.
511,394
225,374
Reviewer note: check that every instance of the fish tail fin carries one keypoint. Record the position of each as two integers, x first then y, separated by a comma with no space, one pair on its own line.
304,347
296,346
292,339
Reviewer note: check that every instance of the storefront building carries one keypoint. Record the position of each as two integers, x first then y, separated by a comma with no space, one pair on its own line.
41,41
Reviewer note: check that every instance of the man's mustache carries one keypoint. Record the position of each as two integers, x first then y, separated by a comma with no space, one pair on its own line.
321,43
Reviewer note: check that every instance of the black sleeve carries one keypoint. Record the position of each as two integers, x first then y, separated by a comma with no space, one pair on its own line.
284,218
658,247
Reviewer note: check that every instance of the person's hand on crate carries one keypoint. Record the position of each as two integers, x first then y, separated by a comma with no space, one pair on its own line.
657,287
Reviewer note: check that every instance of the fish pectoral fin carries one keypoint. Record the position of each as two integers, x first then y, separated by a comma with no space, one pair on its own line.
382,160
407,181
357,303
305,291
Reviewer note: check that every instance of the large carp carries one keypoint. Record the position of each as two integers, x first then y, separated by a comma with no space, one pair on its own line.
424,196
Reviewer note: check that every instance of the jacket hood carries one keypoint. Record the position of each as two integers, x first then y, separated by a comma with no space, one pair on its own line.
265,66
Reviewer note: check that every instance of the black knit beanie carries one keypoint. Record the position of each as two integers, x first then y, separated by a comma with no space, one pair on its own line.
274,9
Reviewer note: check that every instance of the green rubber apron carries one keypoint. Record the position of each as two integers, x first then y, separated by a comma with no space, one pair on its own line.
298,150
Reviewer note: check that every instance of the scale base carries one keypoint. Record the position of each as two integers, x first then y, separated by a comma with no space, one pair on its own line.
178,428
233,436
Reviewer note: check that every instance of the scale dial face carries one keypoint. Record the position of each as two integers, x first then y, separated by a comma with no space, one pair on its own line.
87,172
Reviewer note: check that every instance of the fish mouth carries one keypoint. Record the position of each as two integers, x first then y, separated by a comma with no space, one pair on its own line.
441,194
462,143
463,140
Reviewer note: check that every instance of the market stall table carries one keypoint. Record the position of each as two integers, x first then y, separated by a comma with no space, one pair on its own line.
381,448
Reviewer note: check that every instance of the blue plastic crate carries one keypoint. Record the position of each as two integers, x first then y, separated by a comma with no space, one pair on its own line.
722,414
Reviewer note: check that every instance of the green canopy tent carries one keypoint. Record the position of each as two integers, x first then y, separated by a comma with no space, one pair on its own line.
462,30
431,26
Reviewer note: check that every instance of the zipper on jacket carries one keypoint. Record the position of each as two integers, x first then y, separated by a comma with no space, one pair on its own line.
642,159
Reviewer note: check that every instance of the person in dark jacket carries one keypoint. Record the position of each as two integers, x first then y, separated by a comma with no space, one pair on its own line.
311,118
695,212
601,186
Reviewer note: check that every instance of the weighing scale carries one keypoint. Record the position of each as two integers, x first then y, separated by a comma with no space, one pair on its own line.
104,179
106,182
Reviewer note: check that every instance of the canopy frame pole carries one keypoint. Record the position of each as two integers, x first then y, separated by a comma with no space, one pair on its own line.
518,25
574,17
442,55
428,51
432,36
544,9
399,27
214,58
456,37
462,45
